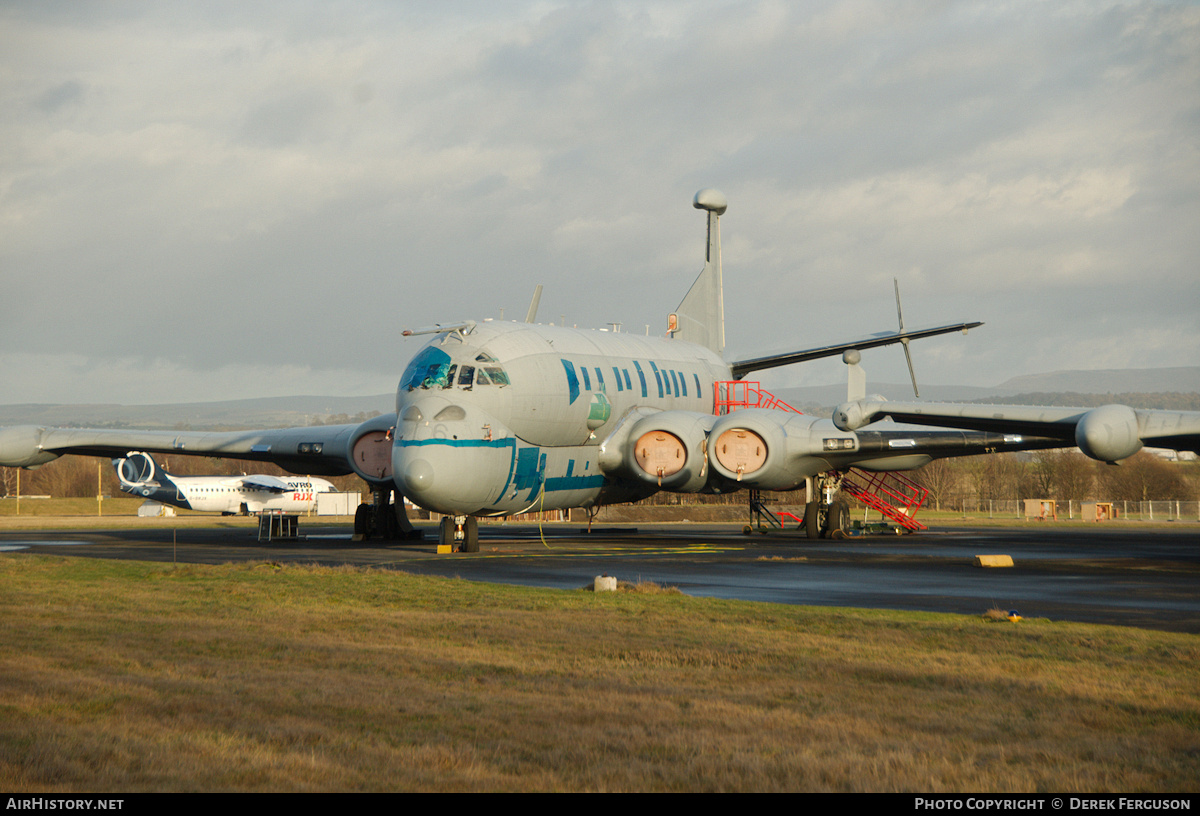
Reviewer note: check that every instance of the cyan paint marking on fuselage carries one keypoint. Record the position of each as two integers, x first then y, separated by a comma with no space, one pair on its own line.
572,380
530,471
657,378
573,482
642,377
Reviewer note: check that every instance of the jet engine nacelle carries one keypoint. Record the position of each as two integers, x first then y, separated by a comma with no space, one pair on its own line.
1109,433
666,449
20,446
370,448
769,450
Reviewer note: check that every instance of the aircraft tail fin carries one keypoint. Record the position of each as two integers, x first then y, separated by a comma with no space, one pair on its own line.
531,315
700,317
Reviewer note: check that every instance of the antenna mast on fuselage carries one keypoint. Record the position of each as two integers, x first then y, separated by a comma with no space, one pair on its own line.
700,317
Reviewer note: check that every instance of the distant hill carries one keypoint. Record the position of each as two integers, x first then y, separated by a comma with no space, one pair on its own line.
1171,388
1080,388
1185,379
267,412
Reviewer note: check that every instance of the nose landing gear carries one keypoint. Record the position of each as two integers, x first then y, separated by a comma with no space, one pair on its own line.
460,533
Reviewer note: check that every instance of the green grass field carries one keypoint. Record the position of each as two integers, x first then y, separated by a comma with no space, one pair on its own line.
128,676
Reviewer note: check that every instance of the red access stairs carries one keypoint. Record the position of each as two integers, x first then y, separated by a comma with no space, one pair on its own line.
893,495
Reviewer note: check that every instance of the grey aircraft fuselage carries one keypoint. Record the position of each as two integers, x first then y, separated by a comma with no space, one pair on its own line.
505,417
501,418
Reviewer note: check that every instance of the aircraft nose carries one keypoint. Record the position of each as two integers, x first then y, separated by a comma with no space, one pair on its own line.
418,476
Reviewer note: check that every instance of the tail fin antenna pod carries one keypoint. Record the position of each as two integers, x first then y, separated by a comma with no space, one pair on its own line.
856,378
700,317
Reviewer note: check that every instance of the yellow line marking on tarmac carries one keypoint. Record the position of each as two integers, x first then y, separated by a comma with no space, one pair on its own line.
698,549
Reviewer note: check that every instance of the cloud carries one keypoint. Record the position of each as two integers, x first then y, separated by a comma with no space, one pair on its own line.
287,186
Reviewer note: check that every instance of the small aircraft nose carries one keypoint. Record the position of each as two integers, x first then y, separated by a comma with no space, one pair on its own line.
418,476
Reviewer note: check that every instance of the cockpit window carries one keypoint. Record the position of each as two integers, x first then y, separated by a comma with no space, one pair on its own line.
491,375
465,377
438,375
429,363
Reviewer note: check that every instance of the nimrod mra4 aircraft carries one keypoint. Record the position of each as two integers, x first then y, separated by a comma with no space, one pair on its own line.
495,418
139,475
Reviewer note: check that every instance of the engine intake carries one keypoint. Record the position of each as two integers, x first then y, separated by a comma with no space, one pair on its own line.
740,451
666,449
370,447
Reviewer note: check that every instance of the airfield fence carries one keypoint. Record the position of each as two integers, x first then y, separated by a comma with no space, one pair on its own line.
970,506
1158,510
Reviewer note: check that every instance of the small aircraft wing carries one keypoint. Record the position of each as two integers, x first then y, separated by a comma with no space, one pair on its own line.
1107,433
744,367
270,484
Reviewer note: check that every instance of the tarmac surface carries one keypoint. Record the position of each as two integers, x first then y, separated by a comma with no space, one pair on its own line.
1131,575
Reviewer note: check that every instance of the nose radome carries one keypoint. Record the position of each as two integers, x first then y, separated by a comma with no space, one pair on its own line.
418,476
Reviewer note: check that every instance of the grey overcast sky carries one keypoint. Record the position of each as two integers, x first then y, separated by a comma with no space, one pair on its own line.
221,200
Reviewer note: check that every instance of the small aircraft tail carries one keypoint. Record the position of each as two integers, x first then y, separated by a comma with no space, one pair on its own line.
139,475
700,317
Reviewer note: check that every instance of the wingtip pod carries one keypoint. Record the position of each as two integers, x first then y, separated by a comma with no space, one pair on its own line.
1109,433
21,446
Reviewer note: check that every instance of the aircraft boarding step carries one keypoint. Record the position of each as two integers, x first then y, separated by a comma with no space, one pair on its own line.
763,517
894,496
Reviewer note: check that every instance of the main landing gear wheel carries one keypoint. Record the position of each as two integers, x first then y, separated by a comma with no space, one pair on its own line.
812,520
837,520
384,517
362,521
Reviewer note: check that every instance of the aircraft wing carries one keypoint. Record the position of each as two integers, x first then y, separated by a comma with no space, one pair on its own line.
325,450
1108,433
270,484
766,449
744,367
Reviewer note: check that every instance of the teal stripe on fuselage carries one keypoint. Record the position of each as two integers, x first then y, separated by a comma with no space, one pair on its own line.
573,483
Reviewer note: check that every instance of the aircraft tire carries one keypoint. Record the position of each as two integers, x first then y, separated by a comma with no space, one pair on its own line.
471,534
362,521
838,519
391,527
812,520
446,531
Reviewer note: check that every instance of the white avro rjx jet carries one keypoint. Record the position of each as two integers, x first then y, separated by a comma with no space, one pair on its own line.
139,475
495,418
